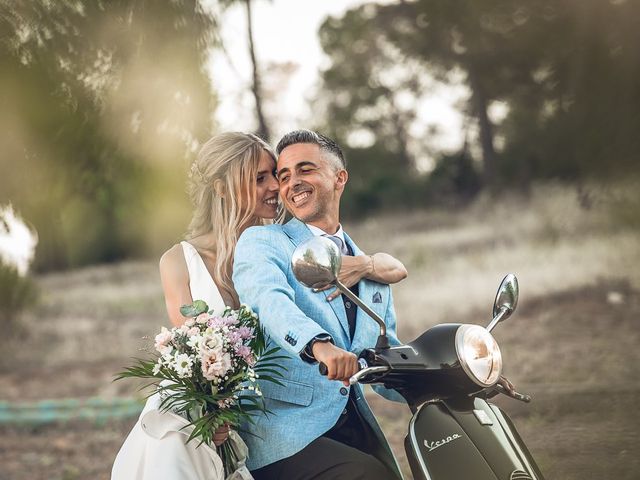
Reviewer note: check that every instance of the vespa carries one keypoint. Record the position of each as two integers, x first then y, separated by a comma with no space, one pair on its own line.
446,375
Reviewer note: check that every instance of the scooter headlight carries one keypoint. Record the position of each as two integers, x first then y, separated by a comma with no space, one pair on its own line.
479,354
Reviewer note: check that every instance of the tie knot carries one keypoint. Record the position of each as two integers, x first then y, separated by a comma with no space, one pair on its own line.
339,243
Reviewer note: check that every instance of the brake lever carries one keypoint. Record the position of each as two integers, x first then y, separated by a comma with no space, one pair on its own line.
367,371
513,394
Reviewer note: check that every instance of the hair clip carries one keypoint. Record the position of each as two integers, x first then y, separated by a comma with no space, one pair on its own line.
196,171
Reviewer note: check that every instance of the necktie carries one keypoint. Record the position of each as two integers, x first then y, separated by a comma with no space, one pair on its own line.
339,243
349,306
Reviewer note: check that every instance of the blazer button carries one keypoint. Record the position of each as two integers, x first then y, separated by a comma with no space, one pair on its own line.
344,391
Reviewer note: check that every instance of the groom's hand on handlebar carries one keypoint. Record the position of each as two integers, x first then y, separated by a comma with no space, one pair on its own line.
341,365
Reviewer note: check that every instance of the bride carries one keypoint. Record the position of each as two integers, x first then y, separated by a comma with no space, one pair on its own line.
232,185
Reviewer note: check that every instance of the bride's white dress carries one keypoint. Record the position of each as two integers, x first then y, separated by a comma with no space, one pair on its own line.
156,448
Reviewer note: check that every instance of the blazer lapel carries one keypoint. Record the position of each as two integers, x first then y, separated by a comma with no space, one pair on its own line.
366,327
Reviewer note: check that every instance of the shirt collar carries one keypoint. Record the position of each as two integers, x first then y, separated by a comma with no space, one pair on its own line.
318,232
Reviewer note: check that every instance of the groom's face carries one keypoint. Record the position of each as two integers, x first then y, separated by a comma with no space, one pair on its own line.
310,183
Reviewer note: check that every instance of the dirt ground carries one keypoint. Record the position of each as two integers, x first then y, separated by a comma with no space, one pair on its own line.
584,427
572,344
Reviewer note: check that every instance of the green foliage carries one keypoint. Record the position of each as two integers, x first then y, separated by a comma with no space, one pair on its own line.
195,309
16,294
454,177
376,183
102,101
567,71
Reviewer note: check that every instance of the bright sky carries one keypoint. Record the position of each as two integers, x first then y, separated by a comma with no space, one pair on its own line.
285,32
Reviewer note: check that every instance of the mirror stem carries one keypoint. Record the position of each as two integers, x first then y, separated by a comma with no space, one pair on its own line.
496,320
368,311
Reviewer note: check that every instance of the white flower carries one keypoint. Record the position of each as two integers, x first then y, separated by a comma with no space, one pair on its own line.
182,365
195,341
167,354
212,340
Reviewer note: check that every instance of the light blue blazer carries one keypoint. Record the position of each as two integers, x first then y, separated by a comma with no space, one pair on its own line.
292,314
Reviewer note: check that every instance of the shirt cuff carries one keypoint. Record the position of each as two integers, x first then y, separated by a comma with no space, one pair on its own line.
307,352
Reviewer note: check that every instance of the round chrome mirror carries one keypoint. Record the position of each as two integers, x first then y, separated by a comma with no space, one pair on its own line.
507,296
316,262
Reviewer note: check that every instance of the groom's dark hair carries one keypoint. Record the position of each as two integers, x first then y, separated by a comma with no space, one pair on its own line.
308,136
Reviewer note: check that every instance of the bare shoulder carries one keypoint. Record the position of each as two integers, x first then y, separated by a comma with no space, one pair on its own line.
172,263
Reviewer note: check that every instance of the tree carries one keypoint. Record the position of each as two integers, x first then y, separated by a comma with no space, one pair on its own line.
363,85
567,71
256,78
99,98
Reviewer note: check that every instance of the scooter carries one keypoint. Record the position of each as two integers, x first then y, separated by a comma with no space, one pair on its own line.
446,375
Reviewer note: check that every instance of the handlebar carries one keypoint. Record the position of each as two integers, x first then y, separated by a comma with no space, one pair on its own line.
513,394
363,370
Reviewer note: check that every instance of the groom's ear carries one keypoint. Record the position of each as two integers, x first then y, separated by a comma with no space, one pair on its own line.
342,176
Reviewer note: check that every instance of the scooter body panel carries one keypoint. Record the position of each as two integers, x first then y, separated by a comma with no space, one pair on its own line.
471,440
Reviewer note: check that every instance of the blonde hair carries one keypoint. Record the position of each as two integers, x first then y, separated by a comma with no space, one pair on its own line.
222,188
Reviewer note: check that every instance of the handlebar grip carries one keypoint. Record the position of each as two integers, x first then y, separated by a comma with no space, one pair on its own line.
324,371
522,397
513,394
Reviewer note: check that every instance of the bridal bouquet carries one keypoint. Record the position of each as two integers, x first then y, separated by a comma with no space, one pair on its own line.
204,369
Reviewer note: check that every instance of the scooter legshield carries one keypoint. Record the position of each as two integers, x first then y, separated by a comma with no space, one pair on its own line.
448,441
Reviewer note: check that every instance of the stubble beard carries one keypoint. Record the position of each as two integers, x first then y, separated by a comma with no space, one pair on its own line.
319,209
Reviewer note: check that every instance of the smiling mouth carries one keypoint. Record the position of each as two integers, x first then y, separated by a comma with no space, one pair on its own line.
300,197
272,202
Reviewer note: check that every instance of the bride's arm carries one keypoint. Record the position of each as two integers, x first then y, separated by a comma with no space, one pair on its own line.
383,268
379,267
175,283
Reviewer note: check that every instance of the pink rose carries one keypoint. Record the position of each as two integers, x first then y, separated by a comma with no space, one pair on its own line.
215,364
163,339
193,331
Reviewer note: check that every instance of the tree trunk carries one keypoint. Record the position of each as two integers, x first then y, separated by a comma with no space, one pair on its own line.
480,105
263,129
406,161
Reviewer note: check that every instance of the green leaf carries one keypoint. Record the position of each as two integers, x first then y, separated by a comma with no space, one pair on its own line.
195,309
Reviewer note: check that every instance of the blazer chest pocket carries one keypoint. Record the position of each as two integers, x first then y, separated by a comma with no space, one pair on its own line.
291,392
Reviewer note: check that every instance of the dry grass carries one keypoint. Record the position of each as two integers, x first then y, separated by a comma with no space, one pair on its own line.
572,343
550,242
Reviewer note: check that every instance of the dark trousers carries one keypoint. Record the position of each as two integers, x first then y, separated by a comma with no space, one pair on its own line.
344,452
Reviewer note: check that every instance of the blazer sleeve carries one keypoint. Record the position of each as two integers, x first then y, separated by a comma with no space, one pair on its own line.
260,278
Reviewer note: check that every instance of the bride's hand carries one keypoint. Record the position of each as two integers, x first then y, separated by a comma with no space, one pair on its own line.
353,270
379,267
221,434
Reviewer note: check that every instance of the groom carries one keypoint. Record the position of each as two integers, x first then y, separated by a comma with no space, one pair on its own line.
319,427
